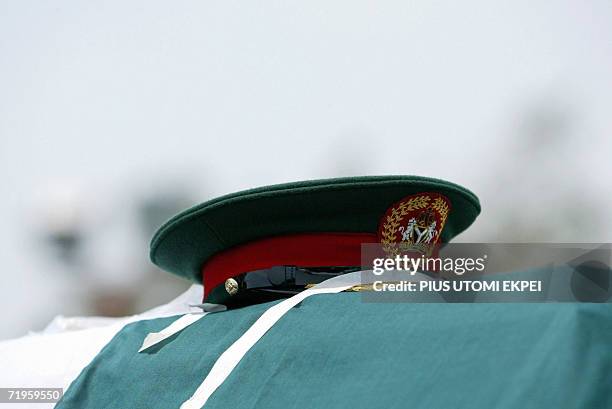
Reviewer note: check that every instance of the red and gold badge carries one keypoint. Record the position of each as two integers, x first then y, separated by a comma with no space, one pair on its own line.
414,224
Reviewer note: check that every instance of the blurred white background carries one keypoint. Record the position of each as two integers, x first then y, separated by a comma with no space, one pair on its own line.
115,115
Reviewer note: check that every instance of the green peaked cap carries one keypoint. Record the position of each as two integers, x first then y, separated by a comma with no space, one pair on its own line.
352,204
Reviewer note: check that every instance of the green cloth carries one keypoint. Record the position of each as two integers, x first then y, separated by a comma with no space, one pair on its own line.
336,351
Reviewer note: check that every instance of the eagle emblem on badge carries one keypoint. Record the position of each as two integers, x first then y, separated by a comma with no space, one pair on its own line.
414,224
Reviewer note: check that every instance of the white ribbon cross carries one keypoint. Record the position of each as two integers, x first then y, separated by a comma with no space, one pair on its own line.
180,324
226,363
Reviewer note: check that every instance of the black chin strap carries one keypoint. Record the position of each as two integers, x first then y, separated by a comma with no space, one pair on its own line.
272,284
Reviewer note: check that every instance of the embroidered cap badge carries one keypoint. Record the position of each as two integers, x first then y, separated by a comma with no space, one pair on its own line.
414,224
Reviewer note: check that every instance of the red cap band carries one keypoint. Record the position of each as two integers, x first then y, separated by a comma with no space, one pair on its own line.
302,250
